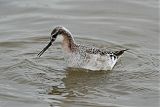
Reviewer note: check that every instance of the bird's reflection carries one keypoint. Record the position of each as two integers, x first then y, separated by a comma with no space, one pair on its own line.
79,82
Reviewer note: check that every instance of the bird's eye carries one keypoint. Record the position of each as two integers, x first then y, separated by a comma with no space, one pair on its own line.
52,38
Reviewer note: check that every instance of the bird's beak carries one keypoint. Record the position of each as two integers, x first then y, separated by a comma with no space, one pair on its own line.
53,38
49,44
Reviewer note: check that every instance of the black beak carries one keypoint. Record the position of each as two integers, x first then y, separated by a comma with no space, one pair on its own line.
53,38
50,43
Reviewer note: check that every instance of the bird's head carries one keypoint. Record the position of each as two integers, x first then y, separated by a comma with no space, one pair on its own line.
59,30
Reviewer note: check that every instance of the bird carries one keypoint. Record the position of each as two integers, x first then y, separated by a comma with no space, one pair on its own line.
81,56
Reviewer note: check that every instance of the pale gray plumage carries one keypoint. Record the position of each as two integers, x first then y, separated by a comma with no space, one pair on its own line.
79,56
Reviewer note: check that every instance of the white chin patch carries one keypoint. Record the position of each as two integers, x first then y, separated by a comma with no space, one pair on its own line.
59,38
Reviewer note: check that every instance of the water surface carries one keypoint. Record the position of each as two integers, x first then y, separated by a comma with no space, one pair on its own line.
26,80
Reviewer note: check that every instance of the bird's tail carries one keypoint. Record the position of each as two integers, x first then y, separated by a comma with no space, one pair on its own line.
118,53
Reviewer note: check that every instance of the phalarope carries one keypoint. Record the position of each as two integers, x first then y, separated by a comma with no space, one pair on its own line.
79,56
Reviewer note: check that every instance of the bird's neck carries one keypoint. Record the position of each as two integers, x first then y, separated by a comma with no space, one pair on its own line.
68,43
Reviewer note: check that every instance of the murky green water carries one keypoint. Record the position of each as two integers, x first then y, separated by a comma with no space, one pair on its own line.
28,81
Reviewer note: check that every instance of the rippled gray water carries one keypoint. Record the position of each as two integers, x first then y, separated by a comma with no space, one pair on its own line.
28,81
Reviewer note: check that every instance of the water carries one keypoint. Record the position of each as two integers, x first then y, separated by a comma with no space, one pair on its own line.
26,80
